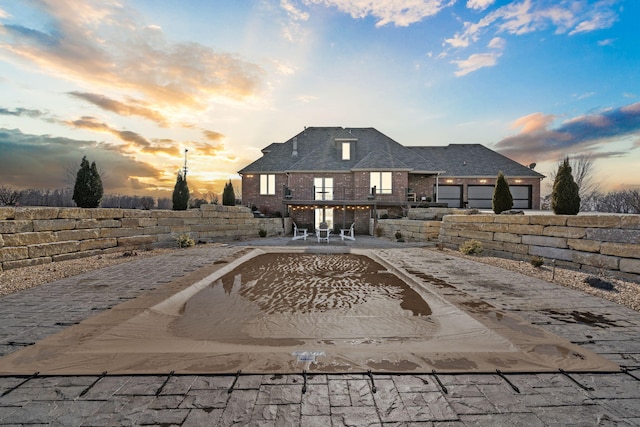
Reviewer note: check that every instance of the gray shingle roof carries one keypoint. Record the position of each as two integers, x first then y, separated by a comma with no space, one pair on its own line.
318,151
462,160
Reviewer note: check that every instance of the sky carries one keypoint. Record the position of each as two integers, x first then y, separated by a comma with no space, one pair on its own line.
135,85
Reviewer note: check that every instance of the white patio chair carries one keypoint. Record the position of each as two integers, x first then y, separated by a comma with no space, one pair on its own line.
299,233
323,234
348,233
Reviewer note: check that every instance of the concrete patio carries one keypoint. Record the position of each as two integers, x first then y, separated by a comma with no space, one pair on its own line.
425,398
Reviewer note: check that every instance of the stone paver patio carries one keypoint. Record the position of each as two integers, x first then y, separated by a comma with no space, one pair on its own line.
428,399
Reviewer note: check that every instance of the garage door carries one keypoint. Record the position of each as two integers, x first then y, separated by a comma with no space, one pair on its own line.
521,196
450,194
481,196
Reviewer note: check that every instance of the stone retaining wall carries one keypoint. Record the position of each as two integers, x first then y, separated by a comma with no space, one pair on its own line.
412,230
587,242
31,236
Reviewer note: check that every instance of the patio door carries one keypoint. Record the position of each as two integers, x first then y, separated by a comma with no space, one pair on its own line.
323,188
324,215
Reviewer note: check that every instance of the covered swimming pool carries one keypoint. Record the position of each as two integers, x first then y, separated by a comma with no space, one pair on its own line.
284,310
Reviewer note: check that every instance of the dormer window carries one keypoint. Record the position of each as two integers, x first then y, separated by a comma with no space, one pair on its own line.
346,151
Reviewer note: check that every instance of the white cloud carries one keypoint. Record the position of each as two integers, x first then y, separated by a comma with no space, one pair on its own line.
401,13
497,43
293,11
479,4
598,21
527,16
475,62
481,60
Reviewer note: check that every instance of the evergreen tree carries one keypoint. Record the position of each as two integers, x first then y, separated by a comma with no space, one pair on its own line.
180,193
88,190
228,195
565,197
502,198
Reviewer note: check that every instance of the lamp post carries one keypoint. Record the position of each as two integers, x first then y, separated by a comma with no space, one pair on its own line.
185,163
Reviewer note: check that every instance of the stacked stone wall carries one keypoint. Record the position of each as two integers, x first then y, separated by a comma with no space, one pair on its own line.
593,243
31,236
412,230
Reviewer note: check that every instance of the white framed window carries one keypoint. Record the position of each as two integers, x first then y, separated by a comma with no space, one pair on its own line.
267,185
382,182
346,151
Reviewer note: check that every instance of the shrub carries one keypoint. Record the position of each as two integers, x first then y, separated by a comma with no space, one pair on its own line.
379,231
398,235
502,198
184,241
537,261
228,195
88,190
180,193
262,232
471,247
565,197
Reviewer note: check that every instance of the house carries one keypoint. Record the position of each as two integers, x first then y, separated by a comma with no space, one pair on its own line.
345,175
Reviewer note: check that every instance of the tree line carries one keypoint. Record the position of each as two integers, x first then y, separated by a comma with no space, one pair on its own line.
88,192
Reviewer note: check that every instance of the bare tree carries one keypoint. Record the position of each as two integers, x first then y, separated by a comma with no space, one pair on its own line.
613,201
632,198
9,196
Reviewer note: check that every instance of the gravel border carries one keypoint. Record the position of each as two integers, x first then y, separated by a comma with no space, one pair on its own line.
625,292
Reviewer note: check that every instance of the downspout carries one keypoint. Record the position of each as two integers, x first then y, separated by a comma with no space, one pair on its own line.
437,190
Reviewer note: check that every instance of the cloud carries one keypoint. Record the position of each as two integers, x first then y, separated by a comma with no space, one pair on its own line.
18,112
135,140
475,62
400,13
134,108
212,135
101,44
537,141
481,60
54,157
526,16
599,20
479,4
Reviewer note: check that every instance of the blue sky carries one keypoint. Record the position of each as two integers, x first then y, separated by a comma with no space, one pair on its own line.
131,84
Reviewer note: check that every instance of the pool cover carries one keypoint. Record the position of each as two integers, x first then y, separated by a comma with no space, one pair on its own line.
284,312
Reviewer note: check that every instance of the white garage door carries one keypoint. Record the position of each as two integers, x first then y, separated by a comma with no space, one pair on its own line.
450,194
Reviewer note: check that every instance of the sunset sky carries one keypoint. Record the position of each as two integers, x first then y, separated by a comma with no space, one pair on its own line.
131,84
